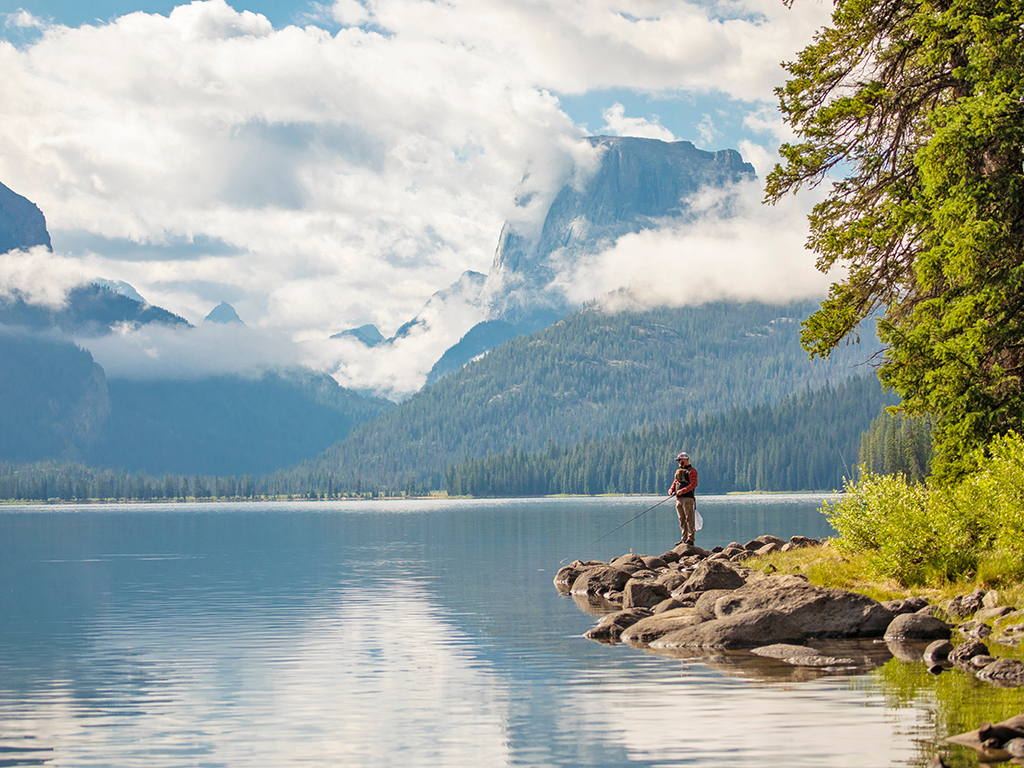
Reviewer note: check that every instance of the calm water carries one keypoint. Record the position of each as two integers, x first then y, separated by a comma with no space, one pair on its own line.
386,633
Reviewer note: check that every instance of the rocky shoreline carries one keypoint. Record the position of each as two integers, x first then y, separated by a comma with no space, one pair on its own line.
697,603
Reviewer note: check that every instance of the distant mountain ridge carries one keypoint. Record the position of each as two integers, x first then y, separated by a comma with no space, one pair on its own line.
591,374
636,184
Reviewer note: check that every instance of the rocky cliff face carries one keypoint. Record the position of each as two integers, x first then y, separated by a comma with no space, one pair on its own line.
22,224
636,184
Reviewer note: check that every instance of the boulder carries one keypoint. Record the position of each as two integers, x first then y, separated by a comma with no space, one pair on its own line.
643,594
600,580
990,600
668,605
800,542
1005,673
767,549
915,626
995,612
962,606
963,653
990,740
673,580
649,629
819,611
689,550
937,652
909,605
626,562
769,539
977,629
741,630
705,604
654,563
566,576
801,655
713,574
610,627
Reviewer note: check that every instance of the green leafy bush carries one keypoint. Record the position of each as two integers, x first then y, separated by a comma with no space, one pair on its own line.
969,526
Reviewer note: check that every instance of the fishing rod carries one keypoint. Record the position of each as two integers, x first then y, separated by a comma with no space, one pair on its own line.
613,530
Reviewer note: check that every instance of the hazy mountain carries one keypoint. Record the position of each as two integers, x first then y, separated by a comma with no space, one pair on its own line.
636,184
367,334
592,374
22,224
223,313
53,399
89,310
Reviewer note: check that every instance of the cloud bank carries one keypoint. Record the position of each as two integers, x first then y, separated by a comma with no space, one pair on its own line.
326,176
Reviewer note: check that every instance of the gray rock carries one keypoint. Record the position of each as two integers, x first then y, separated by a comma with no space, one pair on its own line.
690,550
713,574
909,605
566,576
801,656
769,539
673,580
929,610
976,629
629,561
767,549
643,594
1005,673
982,660
963,653
801,542
600,580
995,612
990,600
915,626
964,605
668,605
654,563
741,630
647,630
937,652
819,611
705,604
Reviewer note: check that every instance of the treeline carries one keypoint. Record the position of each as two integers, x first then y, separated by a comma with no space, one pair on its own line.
592,375
807,442
897,444
53,481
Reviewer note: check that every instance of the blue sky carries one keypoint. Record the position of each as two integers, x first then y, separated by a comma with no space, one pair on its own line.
322,166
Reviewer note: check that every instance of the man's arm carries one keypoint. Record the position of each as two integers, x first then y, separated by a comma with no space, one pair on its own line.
691,475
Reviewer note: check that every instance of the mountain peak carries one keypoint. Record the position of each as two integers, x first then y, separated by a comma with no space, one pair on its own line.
223,313
22,224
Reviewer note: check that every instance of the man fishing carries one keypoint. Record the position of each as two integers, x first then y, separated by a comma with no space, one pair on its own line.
683,486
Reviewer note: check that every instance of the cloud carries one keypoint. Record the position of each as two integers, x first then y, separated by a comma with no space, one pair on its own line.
212,349
617,124
327,179
39,277
755,253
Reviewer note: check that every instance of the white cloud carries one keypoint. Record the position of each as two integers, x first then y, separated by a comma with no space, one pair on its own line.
617,124
39,276
757,254
173,352
350,175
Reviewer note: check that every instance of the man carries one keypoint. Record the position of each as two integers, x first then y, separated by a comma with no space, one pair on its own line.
682,488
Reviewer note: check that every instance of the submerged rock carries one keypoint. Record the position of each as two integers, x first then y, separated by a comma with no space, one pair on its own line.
915,626
743,630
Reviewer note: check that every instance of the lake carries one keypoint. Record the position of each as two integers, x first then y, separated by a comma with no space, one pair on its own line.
413,633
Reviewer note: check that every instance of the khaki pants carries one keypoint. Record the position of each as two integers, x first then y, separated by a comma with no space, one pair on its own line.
684,508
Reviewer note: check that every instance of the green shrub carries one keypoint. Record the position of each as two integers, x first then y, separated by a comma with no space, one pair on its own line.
970,526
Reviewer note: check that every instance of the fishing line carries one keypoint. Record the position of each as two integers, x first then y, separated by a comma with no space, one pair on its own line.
613,530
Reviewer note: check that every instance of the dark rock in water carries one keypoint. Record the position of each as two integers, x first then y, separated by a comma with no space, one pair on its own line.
801,655
610,627
643,594
713,574
741,630
819,611
566,576
1005,673
990,741
649,629
600,580
937,652
914,626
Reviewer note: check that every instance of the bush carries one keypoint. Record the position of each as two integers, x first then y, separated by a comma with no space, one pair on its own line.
972,526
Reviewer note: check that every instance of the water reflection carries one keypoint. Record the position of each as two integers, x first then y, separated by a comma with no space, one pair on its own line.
370,634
